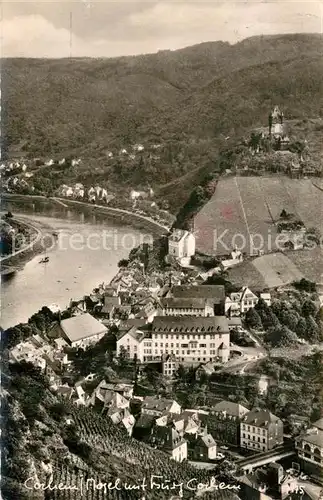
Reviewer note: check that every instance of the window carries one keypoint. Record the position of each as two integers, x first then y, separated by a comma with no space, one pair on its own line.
264,440
202,345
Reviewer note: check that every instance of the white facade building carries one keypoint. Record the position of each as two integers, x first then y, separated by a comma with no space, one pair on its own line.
181,244
135,344
240,302
191,339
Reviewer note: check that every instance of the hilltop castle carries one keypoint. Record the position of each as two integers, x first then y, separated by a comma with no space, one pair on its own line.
275,122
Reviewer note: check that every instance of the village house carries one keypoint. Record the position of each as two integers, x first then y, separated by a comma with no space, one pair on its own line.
202,448
309,447
158,406
105,398
191,339
269,483
169,365
135,344
181,244
143,427
236,258
224,422
260,430
185,423
168,440
79,331
110,305
238,303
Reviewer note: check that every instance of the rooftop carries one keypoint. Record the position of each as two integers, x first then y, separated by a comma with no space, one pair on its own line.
184,302
208,440
178,234
152,403
215,292
260,418
135,334
82,327
233,409
213,324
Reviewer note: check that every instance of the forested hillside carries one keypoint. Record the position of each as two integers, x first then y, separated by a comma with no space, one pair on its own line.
188,101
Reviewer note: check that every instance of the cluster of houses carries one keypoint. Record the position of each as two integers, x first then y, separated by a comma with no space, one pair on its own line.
131,151
79,191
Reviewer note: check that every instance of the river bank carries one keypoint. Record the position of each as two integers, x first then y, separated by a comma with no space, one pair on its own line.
124,217
71,271
42,240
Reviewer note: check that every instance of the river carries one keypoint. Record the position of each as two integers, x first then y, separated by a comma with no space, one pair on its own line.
88,249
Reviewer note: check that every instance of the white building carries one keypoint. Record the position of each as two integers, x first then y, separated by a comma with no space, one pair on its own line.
79,331
181,244
240,302
191,339
135,344
170,365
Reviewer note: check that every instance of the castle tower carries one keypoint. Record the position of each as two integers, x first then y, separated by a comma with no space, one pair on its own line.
276,119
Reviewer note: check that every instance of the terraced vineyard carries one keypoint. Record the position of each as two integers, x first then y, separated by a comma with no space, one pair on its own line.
115,455
245,209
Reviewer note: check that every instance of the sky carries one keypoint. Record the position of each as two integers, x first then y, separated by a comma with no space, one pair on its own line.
114,28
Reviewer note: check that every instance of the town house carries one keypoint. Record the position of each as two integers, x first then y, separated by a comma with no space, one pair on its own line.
260,430
224,422
309,447
168,440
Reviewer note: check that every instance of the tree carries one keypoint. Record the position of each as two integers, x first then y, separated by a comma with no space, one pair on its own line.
313,332
123,263
309,308
306,285
281,337
301,328
253,320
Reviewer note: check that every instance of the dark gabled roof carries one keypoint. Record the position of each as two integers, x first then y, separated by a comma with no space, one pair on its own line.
166,437
260,418
215,292
135,333
145,422
184,302
208,440
233,409
153,403
177,324
129,323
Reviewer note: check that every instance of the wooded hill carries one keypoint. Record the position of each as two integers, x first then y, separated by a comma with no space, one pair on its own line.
188,100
